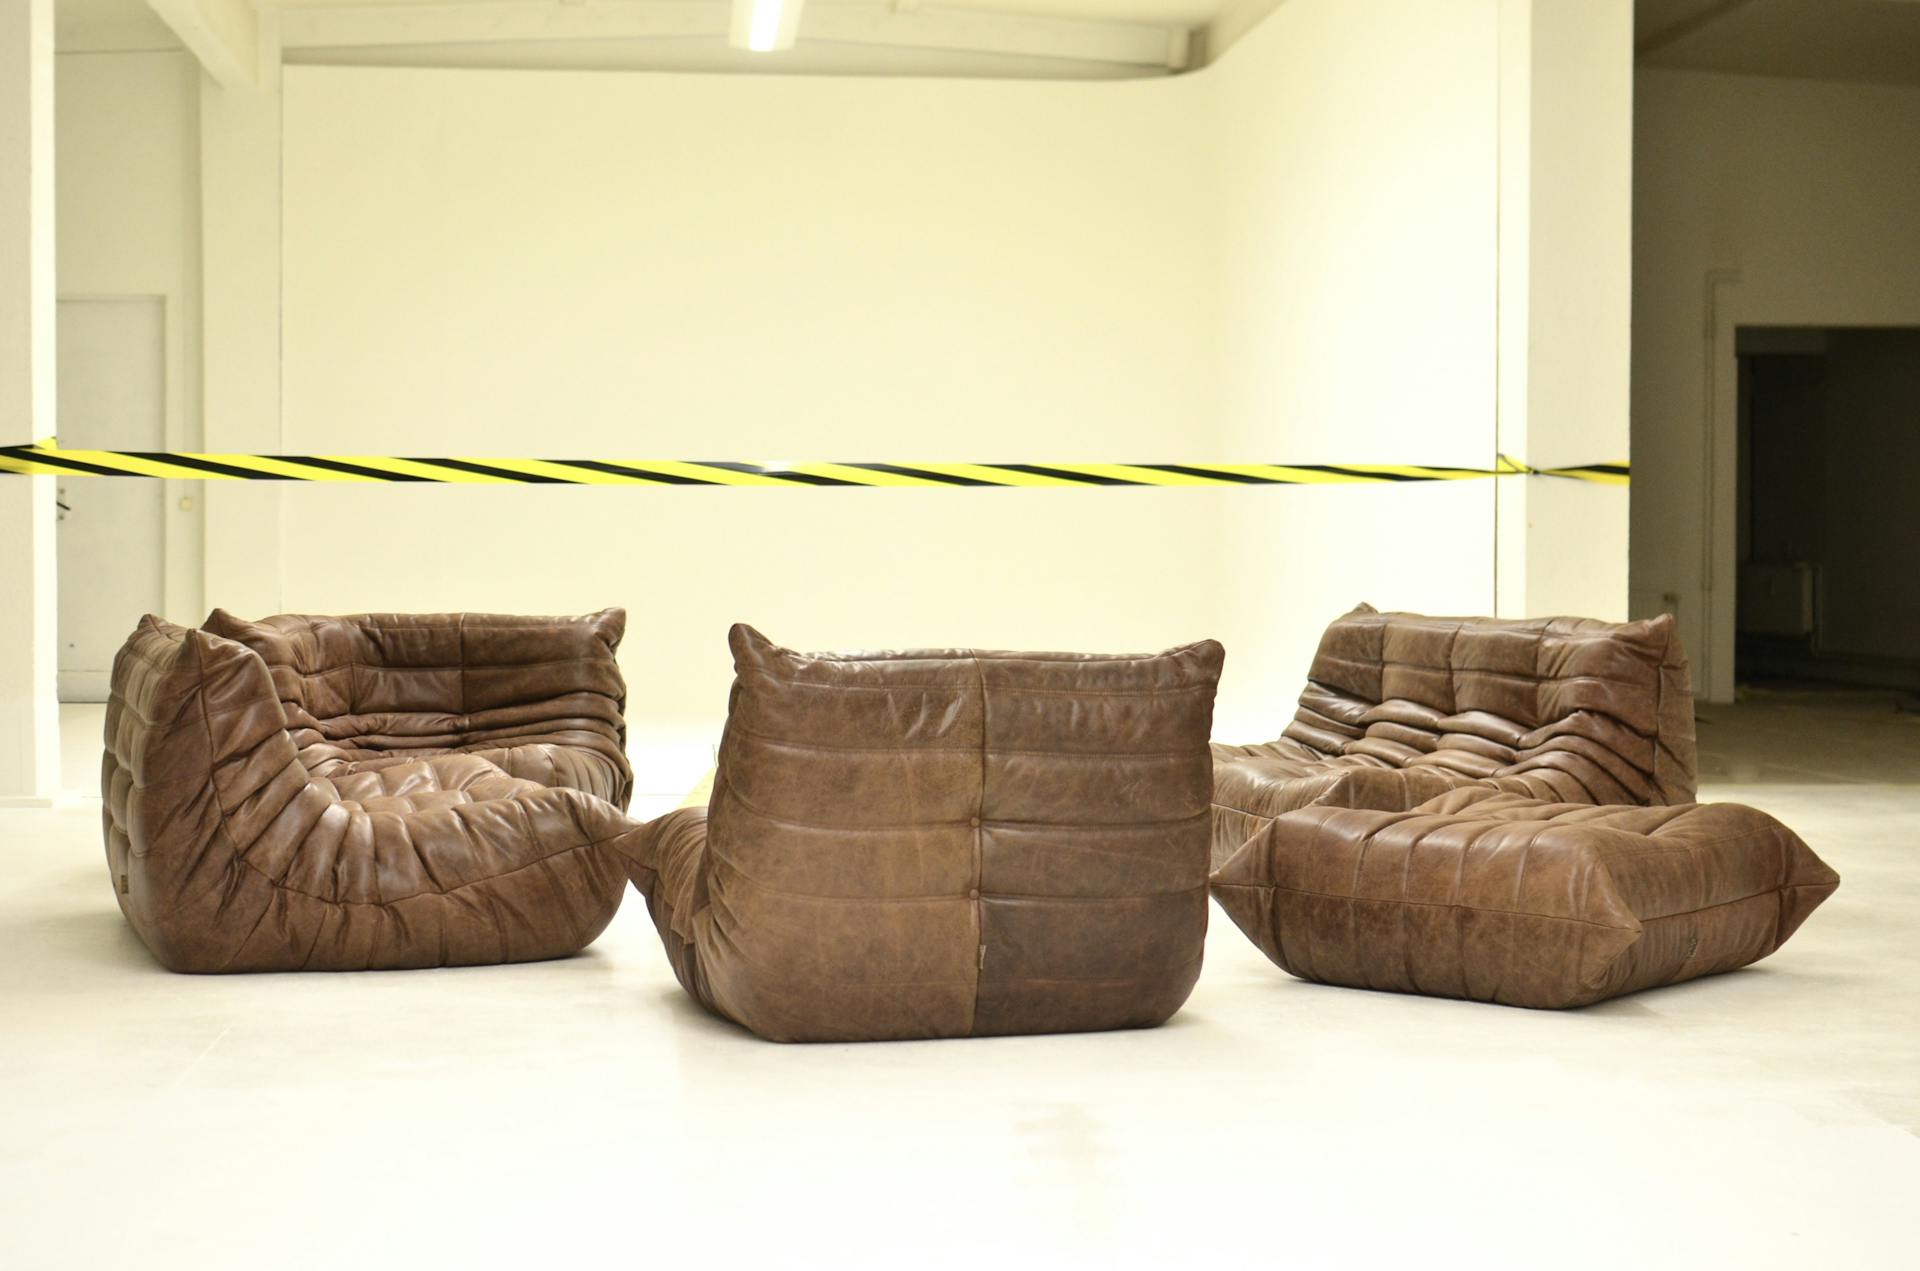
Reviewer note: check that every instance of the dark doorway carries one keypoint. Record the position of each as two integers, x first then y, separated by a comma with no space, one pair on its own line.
1829,505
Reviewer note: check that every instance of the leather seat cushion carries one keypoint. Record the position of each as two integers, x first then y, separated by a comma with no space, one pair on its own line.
437,782
539,763
1500,898
1254,784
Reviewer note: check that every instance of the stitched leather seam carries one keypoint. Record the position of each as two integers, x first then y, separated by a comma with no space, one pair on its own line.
1076,900
790,973
1351,698
461,637
962,750
979,852
996,657
361,624
1091,979
733,792
1498,913
467,886
1143,691
936,897
357,664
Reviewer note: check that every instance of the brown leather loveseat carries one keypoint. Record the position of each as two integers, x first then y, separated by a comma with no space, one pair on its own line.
944,843
1401,707
235,847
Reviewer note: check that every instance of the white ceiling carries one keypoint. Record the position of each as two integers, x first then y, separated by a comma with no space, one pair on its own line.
1874,41
1187,13
1164,12
490,37
1863,40
1190,13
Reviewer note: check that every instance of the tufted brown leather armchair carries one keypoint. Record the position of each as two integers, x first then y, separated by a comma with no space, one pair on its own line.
228,853
540,697
1401,707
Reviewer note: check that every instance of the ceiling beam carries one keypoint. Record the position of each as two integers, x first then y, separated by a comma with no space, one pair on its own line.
969,31
1692,24
388,26
883,22
224,34
1234,20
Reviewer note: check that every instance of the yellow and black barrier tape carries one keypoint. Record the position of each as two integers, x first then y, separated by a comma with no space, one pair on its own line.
38,459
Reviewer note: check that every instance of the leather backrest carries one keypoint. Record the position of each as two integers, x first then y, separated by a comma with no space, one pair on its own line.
1607,705
370,685
943,842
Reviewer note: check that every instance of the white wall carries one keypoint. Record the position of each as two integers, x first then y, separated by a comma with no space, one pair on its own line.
1287,257
1354,216
895,268
1757,202
1355,168
1290,256
129,225
751,268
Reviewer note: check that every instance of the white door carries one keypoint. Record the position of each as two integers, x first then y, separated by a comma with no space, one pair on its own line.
112,396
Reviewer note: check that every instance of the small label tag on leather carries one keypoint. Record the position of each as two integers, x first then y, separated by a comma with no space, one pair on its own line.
126,889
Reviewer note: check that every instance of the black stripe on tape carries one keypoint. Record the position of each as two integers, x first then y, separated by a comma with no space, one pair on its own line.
335,465
1181,470
902,470
197,464
1361,473
637,474
778,474
1082,478
482,470
28,454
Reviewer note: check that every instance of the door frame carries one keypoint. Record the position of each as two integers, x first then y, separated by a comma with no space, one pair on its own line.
1733,300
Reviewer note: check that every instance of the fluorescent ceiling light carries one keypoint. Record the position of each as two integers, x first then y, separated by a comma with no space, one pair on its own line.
765,25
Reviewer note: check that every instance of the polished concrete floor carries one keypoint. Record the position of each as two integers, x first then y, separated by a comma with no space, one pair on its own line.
584,1113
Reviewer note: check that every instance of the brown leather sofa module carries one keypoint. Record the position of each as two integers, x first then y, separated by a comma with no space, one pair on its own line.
1500,898
944,843
227,854
1401,707
541,697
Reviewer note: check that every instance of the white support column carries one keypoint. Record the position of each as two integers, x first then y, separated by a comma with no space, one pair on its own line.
29,636
1566,190
240,279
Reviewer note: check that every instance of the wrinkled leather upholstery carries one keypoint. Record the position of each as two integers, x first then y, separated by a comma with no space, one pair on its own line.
1500,898
228,855
944,843
541,697
1401,707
